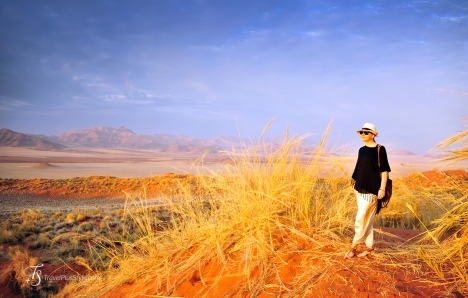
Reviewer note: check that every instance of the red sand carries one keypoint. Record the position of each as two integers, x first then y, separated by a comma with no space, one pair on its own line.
333,276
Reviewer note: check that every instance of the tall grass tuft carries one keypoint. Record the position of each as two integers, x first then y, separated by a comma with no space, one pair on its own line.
459,153
237,220
448,257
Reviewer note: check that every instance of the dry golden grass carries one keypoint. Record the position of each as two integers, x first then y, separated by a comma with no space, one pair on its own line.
456,154
244,221
448,257
240,215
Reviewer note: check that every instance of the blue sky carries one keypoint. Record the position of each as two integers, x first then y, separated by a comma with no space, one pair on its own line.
210,68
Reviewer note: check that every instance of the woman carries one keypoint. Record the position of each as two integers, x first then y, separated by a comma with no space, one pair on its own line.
369,185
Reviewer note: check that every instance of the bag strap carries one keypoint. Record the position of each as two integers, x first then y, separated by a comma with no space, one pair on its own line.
378,156
378,160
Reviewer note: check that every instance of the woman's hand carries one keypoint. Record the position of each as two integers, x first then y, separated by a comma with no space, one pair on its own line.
381,194
383,183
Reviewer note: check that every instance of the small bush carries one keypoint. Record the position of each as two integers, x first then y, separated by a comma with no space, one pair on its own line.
71,223
31,214
71,250
34,246
113,224
86,227
12,236
61,231
29,228
60,225
3,255
70,217
44,240
80,217
5,236
47,229
13,249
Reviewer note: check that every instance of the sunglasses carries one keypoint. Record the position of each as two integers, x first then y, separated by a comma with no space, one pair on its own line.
364,132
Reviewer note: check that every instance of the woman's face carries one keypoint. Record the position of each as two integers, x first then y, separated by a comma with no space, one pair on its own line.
366,138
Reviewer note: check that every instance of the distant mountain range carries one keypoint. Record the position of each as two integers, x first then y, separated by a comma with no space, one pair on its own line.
124,138
120,138
10,138
105,137
401,152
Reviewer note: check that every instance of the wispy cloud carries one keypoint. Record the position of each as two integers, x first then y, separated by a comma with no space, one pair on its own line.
77,78
312,33
8,103
126,99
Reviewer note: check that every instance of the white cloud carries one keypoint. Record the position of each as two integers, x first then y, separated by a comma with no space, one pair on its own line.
313,33
76,78
120,98
79,99
452,18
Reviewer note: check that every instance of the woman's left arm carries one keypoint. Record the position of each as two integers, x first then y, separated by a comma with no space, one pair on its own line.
383,184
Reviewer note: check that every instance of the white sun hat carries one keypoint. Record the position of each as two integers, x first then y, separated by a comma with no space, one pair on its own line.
369,127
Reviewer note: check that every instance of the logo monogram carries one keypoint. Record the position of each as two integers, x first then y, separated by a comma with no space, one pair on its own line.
35,275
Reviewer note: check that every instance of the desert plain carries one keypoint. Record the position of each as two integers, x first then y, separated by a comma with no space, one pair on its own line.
25,163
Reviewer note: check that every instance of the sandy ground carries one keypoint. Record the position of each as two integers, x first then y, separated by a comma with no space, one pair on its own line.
23,163
70,170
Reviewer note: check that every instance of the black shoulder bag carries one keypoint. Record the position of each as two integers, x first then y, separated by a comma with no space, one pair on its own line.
383,203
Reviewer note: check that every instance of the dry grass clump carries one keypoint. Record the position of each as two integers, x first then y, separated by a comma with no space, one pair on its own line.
11,233
42,241
456,154
428,200
20,275
448,257
238,220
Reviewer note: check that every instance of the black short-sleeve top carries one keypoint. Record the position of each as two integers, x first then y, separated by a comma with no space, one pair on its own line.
366,174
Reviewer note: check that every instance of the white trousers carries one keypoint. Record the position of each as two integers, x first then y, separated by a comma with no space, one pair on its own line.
364,224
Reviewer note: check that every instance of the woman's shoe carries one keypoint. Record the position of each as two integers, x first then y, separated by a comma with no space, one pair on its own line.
369,251
350,253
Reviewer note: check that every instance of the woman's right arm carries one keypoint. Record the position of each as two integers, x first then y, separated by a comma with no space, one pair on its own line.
383,184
